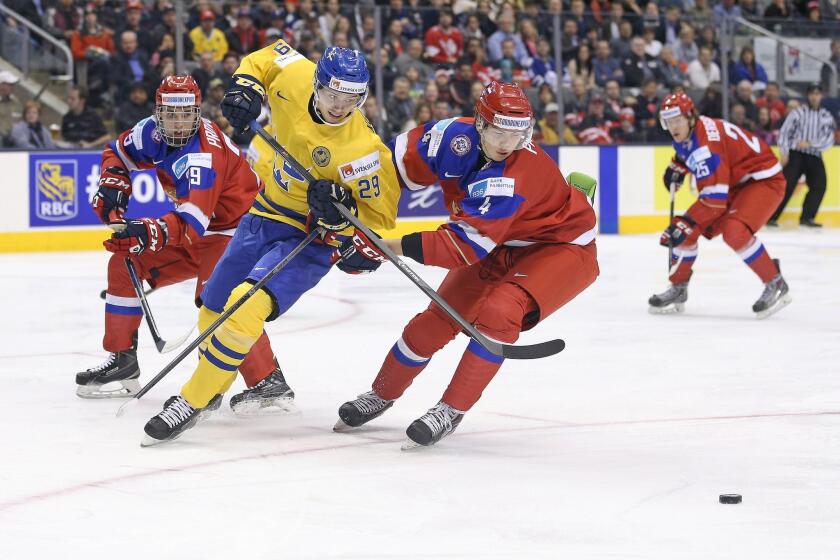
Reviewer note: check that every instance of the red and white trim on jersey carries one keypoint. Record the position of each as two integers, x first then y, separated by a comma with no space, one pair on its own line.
763,174
193,216
480,244
400,148
717,193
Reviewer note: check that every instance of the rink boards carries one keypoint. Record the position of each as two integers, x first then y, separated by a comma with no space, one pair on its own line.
46,195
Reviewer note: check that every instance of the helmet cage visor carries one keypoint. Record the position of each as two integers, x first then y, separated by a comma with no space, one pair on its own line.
177,118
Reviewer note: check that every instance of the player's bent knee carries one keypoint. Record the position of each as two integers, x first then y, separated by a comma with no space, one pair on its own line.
503,314
736,234
428,332
251,316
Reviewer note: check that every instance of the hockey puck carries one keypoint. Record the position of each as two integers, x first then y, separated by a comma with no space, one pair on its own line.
730,498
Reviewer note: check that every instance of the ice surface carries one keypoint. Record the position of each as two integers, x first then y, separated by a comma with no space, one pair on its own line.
617,448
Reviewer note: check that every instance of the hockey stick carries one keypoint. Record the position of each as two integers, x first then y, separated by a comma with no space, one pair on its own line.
162,345
222,318
673,190
517,352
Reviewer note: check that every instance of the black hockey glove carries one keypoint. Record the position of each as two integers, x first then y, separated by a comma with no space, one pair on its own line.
683,229
320,195
138,236
675,173
358,255
111,200
242,102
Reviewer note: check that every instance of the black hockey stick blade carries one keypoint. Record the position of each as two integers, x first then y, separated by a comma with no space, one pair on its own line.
522,352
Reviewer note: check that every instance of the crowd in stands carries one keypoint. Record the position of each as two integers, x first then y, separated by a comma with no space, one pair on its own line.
619,59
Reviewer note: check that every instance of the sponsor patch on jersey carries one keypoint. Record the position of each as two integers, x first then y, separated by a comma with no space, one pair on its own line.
700,154
285,59
191,160
492,186
360,167
461,145
321,156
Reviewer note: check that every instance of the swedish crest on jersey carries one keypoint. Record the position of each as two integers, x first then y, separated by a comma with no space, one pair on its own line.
321,156
461,145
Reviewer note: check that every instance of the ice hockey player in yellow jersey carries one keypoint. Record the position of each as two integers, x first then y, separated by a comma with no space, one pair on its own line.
315,116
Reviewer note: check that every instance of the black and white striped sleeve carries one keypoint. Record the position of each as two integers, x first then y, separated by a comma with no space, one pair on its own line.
822,135
789,128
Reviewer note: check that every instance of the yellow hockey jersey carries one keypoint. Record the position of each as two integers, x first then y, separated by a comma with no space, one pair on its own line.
351,154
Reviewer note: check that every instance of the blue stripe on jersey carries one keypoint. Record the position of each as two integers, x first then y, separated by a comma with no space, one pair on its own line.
208,355
229,352
275,208
479,250
483,353
192,221
492,207
122,310
715,196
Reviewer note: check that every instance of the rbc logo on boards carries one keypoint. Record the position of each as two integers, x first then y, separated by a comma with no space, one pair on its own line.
55,192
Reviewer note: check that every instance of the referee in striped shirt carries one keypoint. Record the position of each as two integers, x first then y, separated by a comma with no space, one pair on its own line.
806,133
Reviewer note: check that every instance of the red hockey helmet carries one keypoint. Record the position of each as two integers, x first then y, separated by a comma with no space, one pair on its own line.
505,106
674,105
178,109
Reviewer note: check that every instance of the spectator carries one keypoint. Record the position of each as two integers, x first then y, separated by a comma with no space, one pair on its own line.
506,31
472,28
444,43
594,128
581,66
621,45
168,25
549,125
11,109
749,10
374,115
130,64
771,100
244,37
686,49
626,132
229,65
652,45
442,110
134,109
82,126
211,105
484,10
671,70
708,39
777,9
166,47
415,84
28,10
611,28
743,96
671,26
700,12
92,41
650,18
711,104
30,134
638,66
328,19
764,128
542,68
412,57
647,110
132,21
508,65
726,8
431,93
399,105
738,116
61,20
530,37
461,85
703,71
604,66
107,14
749,70
578,15
825,72
205,71
569,39
393,40
612,99
207,38
578,101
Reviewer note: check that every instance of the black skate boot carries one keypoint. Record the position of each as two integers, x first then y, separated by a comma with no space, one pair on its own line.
271,395
671,300
360,411
439,422
774,297
116,377
214,405
176,417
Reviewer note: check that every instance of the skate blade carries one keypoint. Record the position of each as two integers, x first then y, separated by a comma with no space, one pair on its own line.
410,444
341,427
667,310
128,388
149,441
783,302
260,408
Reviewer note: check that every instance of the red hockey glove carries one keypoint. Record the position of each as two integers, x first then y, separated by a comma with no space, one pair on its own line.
358,255
139,235
111,200
682,230
675,173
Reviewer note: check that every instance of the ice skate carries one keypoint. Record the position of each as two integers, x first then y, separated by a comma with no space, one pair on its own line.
671,300
176,417
116,377
269,396
440,421
360,411
775,296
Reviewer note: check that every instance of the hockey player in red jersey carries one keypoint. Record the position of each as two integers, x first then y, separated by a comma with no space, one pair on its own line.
740,184
212,186
519,244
